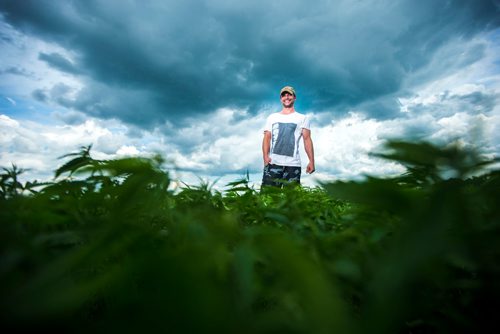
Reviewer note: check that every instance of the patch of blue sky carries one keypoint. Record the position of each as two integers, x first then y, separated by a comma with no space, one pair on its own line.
494,37
20,109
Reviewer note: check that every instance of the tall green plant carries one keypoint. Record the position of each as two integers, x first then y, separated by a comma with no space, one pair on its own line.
108,246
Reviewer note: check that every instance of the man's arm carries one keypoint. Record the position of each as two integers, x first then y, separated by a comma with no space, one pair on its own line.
308,146
266,146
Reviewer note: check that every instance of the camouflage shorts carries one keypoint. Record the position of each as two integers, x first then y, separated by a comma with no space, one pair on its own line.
277,176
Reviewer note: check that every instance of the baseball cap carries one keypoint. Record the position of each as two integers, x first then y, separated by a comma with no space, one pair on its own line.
288,89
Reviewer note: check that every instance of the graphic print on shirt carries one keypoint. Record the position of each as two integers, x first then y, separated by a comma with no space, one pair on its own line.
284,138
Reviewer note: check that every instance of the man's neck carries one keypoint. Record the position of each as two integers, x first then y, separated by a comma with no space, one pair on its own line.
287,111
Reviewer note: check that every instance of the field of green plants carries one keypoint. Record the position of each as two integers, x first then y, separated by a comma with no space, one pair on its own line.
108,246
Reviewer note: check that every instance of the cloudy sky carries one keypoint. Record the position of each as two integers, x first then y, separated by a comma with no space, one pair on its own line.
195,80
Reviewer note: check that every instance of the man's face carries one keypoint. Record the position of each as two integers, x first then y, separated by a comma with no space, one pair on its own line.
287,99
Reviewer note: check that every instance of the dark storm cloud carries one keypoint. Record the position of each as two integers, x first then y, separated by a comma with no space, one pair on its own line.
59,62
40,95
147,62
16,70
481,102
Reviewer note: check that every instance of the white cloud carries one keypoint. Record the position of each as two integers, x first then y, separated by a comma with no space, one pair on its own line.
226,139
21,53
482,76
12,101
343,148
37,146
8,122
128,150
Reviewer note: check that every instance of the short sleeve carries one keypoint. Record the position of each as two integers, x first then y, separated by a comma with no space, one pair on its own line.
269,125
306,124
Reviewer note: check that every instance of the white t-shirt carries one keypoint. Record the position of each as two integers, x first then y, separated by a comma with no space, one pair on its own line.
286,132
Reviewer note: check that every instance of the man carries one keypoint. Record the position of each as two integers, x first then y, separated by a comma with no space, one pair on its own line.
280,147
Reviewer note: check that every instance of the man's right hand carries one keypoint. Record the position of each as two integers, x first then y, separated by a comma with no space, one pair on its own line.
267,160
